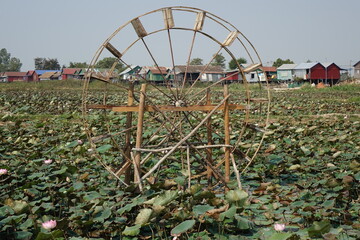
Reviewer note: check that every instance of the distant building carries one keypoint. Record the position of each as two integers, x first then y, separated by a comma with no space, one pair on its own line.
199,73
157,74
270,73
332,73
68,73
286,72
32,76
12,76
314,71
41,72
56,75
357,70
131,73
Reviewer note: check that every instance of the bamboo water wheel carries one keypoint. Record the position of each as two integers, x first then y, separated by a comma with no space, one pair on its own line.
175,120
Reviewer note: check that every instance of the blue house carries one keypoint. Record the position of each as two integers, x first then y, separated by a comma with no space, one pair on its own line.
286,72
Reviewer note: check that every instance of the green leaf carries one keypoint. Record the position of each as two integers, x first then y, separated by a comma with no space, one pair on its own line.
23,235
20,206
238,197
104,148
72,144
78,185
230,213
201,209
91,196
5,210
28,223
182,227
103,215
143,216
319,228
132,231
126,208
163,199
282,236
243,223
49,236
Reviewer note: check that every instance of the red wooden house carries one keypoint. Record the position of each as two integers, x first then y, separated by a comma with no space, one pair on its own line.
332,74
13,76
32,76
68,73
310,71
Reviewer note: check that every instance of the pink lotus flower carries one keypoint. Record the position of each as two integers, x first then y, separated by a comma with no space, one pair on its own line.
3,171
279,227
48,161
49,224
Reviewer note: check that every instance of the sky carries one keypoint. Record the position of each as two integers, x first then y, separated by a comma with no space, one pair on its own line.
73,30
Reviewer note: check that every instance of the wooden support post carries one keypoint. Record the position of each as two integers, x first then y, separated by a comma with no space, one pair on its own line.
127,150
227,133
209,138
139,132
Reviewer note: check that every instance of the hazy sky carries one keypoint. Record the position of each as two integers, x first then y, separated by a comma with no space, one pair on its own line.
72,30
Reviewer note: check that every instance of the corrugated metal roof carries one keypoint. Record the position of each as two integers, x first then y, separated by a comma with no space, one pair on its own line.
287,66
14,74
160,70
199,69
30,73
48,75
70,71
268,69
129,69
40,72
306,65
356,64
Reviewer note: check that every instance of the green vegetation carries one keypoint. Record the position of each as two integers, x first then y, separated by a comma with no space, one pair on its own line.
8,63
306,175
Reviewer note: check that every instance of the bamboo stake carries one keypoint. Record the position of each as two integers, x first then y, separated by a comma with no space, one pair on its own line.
189,167
236,171
227,133
209,138
128,132
139,131
181,147
184,139
136,172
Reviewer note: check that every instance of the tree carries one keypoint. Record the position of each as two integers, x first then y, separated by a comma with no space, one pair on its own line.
46,64
219,60
233,65
78,65
196,61
8,63
108,63
280,62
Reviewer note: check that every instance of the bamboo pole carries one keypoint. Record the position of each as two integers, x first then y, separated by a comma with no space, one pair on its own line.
227,133
139,132
209,138
188,166
128,172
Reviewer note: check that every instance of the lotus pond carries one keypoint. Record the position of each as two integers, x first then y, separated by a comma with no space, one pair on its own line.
304,183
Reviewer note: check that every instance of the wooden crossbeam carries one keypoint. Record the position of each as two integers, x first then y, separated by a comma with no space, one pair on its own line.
167,108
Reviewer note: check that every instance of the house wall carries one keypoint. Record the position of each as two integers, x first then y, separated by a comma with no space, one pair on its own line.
332,72
252,77
284,75
211,77
317,72
232,76
300,73
357,71
15,78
